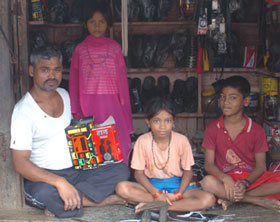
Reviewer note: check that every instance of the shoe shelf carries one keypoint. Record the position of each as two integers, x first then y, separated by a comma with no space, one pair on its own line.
236,70
159,70
161,27
139,71
274,151
54,25
178,115
144,71
268,73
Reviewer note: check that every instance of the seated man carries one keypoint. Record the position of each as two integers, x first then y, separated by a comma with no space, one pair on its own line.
40,151
235,155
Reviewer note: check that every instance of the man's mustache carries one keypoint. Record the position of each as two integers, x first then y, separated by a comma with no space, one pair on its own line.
51,80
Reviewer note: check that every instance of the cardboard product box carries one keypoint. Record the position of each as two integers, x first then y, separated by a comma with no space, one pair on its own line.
81,146
107,144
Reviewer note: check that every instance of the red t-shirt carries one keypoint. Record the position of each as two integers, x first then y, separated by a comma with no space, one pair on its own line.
240,153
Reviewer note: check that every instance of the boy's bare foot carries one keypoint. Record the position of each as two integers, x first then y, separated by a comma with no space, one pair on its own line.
269,203
224,203
48,213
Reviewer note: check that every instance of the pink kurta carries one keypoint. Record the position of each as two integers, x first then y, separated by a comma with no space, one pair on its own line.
98,86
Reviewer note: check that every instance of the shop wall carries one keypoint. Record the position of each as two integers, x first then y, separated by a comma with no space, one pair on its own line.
9,185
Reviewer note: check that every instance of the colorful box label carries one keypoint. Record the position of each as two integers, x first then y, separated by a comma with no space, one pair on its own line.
107,144
92,147
81,146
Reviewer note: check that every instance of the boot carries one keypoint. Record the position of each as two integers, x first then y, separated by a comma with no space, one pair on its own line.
148,90
163,84
177,95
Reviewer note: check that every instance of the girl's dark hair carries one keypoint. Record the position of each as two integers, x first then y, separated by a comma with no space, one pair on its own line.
89,8
157,104
97,6
240,83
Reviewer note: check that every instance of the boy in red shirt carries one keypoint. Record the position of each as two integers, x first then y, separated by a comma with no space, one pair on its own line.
235,153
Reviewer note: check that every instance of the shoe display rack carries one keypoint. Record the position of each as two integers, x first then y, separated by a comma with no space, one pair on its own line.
187,123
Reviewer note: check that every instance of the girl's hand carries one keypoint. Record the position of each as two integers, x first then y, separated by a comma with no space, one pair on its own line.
174,196
171,196
229,185
163,198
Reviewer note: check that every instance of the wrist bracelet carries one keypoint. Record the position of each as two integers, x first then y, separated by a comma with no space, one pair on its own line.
156,195
179,196
247,183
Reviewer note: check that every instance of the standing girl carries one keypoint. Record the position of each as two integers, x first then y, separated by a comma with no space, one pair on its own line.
162,160
98,83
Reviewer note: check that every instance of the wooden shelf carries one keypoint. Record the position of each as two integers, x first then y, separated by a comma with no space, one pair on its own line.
37,23
268,73
192,70
192,115
162,27
49,24
159,70
144,71
157,23
179,115
234,69
275,155
275,151
139,26
244,24
275,27
273,124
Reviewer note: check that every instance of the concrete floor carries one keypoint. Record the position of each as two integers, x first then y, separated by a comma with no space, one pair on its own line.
236,213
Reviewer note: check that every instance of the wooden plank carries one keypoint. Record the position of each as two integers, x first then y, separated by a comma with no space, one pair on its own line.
178,115
156,27
10,195
253,78
141,71
59,34
21,43
199,95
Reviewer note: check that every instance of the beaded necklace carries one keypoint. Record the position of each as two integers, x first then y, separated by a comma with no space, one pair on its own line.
161,168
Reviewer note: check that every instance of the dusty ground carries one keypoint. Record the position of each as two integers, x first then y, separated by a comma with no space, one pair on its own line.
236,213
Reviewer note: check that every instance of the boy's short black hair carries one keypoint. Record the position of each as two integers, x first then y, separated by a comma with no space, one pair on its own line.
238,82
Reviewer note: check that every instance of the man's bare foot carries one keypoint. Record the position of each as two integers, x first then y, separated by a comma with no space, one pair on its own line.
48,213
269,203
224,203
114,199
110,200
